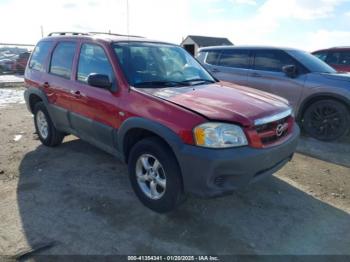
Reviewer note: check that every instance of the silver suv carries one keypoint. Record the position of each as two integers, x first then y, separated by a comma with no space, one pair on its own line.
319,95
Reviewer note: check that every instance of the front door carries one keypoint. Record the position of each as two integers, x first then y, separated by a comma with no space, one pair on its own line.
267,75
95,110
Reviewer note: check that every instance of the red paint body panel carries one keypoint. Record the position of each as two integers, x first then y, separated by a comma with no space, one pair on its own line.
223,102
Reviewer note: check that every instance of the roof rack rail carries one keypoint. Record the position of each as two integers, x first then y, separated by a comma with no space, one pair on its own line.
335,47
66,33
108,33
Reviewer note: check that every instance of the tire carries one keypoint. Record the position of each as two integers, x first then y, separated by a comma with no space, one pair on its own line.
168,193
51,137
326,120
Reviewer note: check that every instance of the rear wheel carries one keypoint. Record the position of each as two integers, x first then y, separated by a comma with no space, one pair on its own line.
155,175
47,132
326,120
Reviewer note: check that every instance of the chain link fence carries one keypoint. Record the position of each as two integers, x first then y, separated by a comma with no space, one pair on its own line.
14,58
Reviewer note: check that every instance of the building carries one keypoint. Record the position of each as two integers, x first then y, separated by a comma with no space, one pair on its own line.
193,42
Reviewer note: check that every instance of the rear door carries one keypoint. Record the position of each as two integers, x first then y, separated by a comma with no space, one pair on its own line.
267,75
95,110
37,66
231,65
58,82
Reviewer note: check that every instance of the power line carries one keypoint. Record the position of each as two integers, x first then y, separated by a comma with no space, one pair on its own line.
11,44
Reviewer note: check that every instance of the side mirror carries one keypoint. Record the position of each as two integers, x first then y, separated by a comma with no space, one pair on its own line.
290,70
99,80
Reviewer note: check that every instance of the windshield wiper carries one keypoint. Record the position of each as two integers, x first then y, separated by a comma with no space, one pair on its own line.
158,84
201,80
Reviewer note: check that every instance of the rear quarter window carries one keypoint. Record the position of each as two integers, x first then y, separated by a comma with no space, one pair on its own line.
39,55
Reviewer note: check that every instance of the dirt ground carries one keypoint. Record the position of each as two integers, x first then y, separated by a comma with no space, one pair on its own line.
76,199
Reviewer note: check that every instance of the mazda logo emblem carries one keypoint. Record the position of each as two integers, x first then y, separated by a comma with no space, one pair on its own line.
280,129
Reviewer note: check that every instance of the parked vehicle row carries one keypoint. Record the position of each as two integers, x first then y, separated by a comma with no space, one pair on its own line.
12,63
337,57
319,95
155,107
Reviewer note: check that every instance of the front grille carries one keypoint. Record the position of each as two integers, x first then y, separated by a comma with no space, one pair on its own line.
273,132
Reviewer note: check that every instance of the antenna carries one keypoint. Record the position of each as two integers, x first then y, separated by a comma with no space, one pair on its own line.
127,18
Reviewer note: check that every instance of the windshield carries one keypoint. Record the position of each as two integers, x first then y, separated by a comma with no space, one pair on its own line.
311,62
157,65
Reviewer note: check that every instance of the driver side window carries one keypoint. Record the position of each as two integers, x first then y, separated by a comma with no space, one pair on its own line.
271,60
93,59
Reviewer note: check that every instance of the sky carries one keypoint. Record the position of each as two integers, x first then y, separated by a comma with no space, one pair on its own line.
303,24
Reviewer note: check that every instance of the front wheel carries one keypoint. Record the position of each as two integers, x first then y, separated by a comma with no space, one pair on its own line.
326,120
155,175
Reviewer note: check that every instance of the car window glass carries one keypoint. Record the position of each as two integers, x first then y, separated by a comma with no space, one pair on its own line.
333,58
39,55
235,58
271,60
344,58
212,57
62,59
321,55
150,63
93,60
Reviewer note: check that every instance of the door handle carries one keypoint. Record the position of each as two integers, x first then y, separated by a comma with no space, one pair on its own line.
77,93
46,85
215,70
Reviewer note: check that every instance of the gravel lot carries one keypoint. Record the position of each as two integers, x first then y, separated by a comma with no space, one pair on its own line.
76,199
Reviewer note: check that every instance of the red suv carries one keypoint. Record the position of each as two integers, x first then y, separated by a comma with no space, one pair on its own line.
155,107
337,57
21,62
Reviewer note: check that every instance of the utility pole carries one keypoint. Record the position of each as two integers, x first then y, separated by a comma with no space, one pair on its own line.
127,17
42,31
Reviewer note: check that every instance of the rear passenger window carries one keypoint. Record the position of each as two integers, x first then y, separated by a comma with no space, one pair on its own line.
333,58
271,60
93,59
39,55
62,59
235,58
344,58
212,57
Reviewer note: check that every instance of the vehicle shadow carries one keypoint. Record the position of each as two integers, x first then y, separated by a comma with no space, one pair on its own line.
80,198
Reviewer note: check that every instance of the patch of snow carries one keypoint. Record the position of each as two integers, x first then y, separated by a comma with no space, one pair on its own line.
11,96
11,79
17,138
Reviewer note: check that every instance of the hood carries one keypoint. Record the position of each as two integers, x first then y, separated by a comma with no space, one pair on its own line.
223,101
339,76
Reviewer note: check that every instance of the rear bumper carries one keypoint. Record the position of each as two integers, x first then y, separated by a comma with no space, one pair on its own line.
213,172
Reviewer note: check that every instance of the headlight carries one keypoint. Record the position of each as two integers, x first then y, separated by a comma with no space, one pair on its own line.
219,135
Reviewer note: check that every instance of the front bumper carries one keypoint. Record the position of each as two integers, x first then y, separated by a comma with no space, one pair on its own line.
214,172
